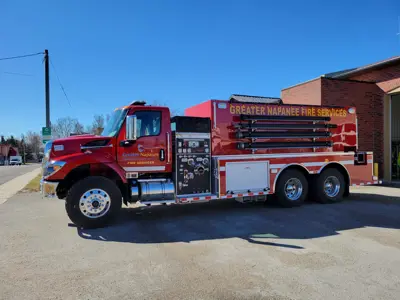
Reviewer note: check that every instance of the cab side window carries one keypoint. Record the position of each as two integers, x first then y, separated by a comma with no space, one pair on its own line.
148,123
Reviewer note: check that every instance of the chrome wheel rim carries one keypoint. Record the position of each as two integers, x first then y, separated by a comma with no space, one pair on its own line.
94,203
332,186
293,189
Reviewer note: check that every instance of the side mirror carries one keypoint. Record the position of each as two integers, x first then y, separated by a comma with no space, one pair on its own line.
130,134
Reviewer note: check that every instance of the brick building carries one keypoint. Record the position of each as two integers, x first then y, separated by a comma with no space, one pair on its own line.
6,151
375,92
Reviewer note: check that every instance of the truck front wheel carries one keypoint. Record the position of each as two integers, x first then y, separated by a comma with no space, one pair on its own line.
93,202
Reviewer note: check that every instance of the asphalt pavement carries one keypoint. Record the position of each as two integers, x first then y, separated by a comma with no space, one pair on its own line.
218,250
8,173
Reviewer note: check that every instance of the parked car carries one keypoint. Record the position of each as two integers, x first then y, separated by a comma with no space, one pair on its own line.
15,160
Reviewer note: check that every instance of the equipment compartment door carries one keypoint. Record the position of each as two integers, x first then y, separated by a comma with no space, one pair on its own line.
247,176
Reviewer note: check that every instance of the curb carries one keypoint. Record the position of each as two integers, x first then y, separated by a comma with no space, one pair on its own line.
10,188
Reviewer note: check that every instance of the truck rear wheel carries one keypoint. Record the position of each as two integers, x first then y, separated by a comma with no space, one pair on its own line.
93,202
329,186
291,189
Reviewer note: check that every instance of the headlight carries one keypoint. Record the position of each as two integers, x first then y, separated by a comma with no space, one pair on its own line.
53,167
47,149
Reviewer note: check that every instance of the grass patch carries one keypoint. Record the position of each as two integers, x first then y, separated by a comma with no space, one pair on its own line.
33,185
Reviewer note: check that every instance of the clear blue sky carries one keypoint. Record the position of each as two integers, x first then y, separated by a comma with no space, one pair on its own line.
108,53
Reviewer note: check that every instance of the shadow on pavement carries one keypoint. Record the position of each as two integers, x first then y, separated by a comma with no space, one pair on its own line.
256,223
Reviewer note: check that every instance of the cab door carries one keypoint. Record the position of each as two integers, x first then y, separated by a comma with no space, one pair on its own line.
151,151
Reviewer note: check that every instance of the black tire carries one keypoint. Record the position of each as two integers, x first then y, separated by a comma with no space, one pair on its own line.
319,193
80,188
280,189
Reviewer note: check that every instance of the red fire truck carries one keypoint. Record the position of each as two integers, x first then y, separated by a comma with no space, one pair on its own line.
245,149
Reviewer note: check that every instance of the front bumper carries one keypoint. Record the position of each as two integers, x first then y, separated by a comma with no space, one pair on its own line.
48,188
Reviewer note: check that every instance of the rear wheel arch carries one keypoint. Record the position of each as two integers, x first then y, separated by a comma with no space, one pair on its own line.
298,167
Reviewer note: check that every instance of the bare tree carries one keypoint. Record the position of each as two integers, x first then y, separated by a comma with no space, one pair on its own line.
63,127
98,124
89,129
98,121
78,128
34,140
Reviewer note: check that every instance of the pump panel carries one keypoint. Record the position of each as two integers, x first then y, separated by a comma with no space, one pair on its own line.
193,163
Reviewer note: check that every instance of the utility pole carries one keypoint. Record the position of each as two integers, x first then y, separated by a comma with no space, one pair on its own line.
47,86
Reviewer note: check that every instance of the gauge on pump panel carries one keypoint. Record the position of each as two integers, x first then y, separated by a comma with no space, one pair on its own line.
194,144
199,170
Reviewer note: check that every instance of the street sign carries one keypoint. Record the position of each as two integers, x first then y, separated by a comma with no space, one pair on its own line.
46,134
46,131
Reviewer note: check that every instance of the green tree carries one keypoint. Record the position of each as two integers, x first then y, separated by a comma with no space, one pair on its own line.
29,152
12,141
21,150
3,140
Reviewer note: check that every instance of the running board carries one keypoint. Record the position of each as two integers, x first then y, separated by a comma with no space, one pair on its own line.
157,202
251,199
193,198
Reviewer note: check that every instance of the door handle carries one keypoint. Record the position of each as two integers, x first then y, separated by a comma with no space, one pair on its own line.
162,155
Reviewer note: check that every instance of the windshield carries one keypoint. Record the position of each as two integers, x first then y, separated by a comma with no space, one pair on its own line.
115,122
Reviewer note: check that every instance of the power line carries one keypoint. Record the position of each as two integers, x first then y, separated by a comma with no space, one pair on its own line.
20,74
59,82
21,56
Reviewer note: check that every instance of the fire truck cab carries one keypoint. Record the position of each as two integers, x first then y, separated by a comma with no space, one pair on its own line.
245,149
